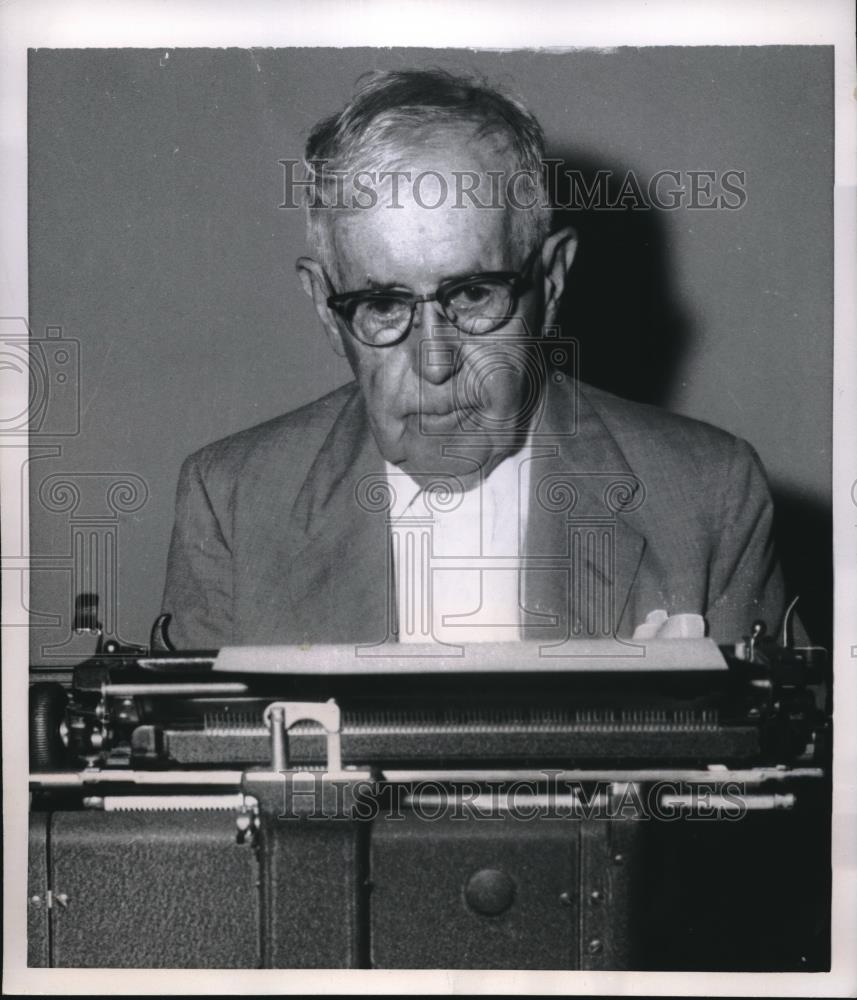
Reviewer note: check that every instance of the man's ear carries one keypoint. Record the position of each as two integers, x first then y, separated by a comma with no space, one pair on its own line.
317,287
557,255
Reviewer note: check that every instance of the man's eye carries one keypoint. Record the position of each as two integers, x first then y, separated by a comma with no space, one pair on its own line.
382,308
472,295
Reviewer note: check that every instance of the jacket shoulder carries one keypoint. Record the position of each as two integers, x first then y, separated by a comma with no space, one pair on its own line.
302,430
651,435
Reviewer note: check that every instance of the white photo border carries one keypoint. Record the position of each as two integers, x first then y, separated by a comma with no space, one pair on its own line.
440,23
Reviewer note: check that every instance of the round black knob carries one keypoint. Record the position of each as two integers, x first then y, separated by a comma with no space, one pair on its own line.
48,702
489,892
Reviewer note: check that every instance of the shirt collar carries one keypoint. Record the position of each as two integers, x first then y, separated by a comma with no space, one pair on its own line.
502,479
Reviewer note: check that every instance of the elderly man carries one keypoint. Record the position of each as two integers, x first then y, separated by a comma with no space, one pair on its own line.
463,487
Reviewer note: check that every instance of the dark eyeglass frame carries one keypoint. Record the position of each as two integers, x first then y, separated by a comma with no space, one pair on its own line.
519,282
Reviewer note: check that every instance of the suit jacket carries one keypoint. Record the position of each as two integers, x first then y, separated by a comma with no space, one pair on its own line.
280,538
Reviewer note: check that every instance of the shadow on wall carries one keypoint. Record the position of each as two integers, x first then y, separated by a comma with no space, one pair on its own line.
804,534
619,304
621,307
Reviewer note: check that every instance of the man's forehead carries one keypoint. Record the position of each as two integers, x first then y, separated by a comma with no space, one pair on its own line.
421,163
415,243
424,211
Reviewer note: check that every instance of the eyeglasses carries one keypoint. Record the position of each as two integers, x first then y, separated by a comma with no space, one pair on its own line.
476,304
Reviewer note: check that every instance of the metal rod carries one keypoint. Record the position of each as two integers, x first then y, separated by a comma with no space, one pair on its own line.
164,803
729,803
503,802
279,752
714,776
164,664
127,690
94,776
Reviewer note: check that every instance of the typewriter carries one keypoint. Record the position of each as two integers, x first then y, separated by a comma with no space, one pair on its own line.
615,805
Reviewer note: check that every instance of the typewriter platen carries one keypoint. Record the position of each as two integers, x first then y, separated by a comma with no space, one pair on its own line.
657,805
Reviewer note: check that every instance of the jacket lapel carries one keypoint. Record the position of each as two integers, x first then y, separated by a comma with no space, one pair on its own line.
339,578
583,544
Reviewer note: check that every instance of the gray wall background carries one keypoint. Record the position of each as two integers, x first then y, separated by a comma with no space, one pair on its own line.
157,242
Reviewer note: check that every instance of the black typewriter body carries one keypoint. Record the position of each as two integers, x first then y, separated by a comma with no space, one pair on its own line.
319,809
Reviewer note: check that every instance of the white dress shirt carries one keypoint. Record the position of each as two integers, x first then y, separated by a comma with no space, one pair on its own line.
457,555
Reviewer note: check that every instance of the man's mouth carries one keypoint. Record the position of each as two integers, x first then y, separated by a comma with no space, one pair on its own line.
426,412
443,409
439,416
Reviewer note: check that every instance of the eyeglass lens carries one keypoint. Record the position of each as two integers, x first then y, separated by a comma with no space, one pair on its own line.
474,307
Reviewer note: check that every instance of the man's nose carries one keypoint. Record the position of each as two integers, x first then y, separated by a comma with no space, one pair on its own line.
437,344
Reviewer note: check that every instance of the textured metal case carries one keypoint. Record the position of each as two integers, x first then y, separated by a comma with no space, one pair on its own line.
152,889
421,874
38,914
311,888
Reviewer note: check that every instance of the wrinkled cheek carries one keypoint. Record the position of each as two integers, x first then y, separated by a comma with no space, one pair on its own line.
496,382
381,390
